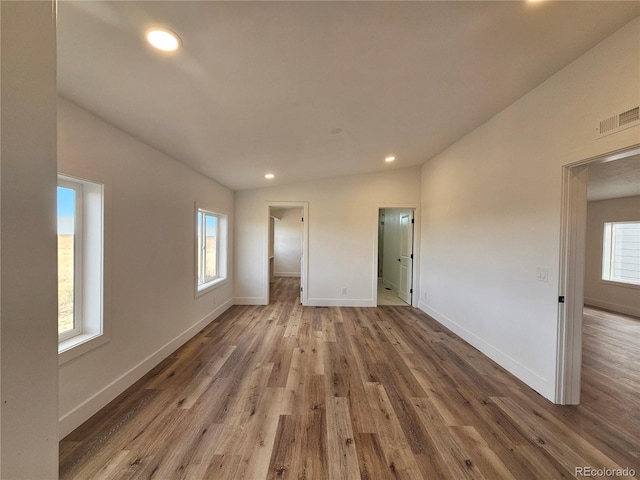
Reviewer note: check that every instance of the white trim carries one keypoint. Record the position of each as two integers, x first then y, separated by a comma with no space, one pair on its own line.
571,273
613,283
222,249
78,253
609,244
338,302
416,250
74,418
389,283
250,301
212,285
304,274
79,345
96,266
614,307
571,284
531,378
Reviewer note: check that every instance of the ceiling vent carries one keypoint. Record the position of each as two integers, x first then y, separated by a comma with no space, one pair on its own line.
618,122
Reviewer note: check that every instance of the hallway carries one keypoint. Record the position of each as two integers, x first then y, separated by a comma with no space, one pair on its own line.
286,391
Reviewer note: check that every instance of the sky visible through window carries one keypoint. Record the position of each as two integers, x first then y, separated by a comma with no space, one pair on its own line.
66,210
211,226
66,259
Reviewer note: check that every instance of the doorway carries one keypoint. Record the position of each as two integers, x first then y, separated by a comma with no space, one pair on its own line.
572,272
287,252
395,256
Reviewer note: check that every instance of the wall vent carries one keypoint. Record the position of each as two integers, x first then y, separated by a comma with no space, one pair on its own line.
618,122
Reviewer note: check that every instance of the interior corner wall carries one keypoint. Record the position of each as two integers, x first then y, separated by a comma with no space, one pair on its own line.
288,243
28,276
598,293
153,307
491,209
343,232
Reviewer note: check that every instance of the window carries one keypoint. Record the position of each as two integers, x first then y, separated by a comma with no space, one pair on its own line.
69,259
80,265
210,249
621,252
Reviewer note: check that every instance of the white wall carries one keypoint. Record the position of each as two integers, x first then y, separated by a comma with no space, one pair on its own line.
28,283
612,296
153,309
491,209
343,234
288,242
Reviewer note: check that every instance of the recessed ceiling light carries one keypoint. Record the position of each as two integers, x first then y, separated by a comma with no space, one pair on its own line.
269,176
163,39
390,158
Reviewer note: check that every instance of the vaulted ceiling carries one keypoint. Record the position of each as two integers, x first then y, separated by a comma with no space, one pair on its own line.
309,90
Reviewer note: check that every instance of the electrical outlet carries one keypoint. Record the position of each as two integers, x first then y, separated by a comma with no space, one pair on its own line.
542,274
344,290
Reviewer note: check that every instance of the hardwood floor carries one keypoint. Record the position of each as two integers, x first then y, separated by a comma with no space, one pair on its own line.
344,393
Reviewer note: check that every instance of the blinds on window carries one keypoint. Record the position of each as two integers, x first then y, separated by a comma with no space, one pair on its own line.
621,260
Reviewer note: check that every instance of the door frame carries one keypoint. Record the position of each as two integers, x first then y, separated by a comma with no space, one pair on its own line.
415,298
573,234
304,274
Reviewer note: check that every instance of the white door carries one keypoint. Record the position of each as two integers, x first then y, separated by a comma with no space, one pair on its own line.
302,270
406,256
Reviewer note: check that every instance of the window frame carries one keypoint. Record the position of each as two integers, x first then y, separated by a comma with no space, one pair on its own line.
95,276
78,250
200,250
608,255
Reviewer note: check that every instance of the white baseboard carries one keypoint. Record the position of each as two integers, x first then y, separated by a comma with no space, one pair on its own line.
338,302
286,274
535,381
250,301
387,283
614,307
73,419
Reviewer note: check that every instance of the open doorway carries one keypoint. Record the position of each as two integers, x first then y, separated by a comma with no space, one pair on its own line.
285,251
395,256
287,237
583,181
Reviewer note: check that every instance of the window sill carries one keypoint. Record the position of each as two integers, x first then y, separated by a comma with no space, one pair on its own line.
79,345
208,287
620,284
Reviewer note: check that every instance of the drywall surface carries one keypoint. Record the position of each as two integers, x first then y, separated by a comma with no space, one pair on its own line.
491,209
343,234
597,292
150,253
288,242
28,275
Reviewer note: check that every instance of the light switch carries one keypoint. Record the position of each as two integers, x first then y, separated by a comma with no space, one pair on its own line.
542,274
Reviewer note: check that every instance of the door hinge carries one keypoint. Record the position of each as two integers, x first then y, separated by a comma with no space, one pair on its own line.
413,221
302,219
411,290
561,299
300,288
412,256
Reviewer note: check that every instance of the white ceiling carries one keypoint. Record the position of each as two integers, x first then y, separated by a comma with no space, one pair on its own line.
262,86
620,178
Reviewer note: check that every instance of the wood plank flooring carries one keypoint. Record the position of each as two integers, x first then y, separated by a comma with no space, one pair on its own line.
357,393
